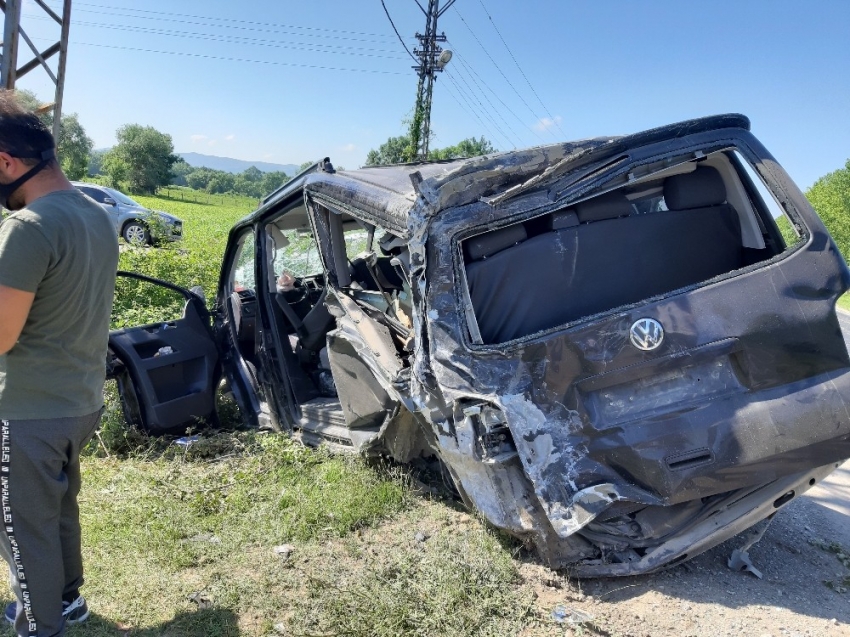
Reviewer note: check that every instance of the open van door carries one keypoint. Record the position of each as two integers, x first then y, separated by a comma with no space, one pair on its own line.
167,372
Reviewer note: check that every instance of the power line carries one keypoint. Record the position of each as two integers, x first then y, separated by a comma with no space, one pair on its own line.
474,74
498,131
398,35
235,39
468,87
471,82
234,59
525,77
498,68
470,110
280,28
493,132
230,21
465,89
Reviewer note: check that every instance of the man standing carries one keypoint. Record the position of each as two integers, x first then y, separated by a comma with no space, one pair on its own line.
58,257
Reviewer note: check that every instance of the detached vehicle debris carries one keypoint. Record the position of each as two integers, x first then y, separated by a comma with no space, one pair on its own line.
622,350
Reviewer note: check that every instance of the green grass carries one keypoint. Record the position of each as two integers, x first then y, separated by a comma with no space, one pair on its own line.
196,260
181,542
159,526
460,583
844,302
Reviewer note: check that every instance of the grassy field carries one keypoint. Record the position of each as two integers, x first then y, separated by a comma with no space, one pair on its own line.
196,260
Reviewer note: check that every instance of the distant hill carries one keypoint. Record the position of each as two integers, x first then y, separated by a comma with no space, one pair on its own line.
231,165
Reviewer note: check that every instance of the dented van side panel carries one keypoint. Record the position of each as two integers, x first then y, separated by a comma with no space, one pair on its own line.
549,433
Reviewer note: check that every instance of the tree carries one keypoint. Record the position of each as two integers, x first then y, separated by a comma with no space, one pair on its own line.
272,181
252,174
143,158
395,149
96,162
30,102
830,197
199,178
115,169
74,147
469,147
179,171
221,183
392,151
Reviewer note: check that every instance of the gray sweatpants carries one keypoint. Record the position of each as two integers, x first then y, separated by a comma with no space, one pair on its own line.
39,484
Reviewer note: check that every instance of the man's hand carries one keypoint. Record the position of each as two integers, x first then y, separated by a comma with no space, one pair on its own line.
14,308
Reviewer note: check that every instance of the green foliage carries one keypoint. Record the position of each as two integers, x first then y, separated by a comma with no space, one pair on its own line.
392,151
142,158
96,162
30,102
830,197
413,136
179,171
196,260
74,147
469,147
396,150
252,182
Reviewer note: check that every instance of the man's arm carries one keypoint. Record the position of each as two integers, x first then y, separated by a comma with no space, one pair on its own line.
14,308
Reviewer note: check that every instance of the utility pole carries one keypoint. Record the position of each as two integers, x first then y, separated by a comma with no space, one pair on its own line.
432,59
10,72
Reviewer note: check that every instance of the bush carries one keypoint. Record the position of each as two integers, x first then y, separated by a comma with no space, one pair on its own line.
830,197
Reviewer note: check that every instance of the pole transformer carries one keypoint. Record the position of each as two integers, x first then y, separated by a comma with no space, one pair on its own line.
432,60
10,72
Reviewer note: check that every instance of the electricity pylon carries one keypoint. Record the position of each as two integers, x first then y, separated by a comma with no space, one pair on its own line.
12,33
432,60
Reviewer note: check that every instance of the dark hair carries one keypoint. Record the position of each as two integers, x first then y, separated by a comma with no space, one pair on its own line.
22,134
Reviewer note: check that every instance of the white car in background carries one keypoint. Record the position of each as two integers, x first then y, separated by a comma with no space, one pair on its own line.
132,221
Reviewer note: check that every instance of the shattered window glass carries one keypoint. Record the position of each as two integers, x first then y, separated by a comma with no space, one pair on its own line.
243,271
300,257
790,233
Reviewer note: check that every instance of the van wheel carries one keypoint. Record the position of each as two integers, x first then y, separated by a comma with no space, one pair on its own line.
136,233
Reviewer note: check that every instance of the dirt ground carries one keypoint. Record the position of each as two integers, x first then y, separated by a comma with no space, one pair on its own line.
704,597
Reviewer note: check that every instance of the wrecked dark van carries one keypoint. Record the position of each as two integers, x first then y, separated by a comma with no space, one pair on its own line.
623,350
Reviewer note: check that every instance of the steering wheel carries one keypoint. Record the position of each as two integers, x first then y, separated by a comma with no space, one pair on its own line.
298,293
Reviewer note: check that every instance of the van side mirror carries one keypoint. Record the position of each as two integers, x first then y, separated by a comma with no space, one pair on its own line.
199,292
109,201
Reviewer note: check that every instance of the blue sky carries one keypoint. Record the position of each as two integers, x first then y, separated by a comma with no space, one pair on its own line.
286,81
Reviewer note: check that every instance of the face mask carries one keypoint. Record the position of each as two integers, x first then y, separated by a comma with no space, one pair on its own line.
7,190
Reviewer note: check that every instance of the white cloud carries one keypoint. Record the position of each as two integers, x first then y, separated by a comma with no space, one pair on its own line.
546,123
267,155
230,137
197,139
212,142
348,148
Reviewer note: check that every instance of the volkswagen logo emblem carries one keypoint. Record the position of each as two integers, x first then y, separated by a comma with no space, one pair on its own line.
646,334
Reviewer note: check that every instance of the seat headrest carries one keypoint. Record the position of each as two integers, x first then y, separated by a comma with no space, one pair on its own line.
489,243
608,206
698,189
564,219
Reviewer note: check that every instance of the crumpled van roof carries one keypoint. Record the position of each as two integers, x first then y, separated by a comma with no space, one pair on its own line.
386,195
